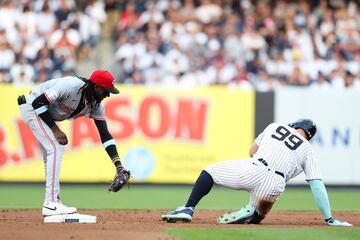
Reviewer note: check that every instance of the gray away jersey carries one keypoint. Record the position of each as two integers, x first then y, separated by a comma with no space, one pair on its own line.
285,150
64,97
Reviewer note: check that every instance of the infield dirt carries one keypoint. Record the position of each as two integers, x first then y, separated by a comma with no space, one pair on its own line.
140,224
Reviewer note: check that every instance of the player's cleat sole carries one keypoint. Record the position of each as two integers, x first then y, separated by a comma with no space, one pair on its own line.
177,218
172,220
233,220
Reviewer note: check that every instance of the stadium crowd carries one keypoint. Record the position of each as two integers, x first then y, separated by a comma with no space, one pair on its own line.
259,44
44,39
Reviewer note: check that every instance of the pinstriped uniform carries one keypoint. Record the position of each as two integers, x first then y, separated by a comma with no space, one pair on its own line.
280,148
64,97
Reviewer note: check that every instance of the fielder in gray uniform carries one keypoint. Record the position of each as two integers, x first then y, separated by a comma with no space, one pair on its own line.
279,153
57,100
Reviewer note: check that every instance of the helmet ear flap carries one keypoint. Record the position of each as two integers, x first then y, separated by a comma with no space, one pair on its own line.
307,125
308,135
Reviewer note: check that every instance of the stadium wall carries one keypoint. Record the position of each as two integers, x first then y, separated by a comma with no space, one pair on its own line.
168,136
162,136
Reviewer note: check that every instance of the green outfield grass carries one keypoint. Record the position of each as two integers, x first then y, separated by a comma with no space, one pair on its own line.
17,196
166,197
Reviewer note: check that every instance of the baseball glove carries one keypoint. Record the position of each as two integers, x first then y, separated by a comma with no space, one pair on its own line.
121,178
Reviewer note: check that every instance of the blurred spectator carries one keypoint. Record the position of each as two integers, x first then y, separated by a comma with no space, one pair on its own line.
136,78
208,11
46,21
4,76
151,14
265,82
129,18
176,61
349,80
130,52
95,10
188,11
9,15
63,12
27,21
22,73
321,83
7,54
65,41
42,76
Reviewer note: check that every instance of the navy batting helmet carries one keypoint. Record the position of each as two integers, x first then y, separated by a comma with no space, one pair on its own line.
305,124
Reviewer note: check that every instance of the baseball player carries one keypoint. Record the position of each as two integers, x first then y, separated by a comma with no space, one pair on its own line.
279,153
68,98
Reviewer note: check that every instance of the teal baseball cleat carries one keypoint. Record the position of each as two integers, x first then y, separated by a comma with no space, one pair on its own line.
244,215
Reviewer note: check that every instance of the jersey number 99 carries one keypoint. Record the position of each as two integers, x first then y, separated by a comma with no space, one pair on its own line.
290,140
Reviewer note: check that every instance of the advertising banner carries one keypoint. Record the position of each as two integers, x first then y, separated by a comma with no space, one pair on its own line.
337,142
163,136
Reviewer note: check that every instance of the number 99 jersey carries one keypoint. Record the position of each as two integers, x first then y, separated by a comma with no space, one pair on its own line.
287,151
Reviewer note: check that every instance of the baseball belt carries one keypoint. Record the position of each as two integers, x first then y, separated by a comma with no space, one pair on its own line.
266,164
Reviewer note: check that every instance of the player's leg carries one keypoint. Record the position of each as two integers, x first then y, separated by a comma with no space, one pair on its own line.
266,194
236,174
263,208
262,198
233,174
53,152
53,161
200,189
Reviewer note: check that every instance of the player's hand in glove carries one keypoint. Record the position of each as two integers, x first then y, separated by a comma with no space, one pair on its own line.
337,223
121,178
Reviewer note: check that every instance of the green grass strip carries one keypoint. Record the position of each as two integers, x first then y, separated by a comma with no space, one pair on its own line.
266,233
166,197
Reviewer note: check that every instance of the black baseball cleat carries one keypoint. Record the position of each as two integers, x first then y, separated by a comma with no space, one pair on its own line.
182,214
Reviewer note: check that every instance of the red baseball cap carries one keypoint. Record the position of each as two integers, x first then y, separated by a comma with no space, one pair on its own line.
104,79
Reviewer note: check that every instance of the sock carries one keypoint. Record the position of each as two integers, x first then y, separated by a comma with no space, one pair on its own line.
201,188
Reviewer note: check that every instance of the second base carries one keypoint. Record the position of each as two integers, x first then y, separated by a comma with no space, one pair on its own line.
70,218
